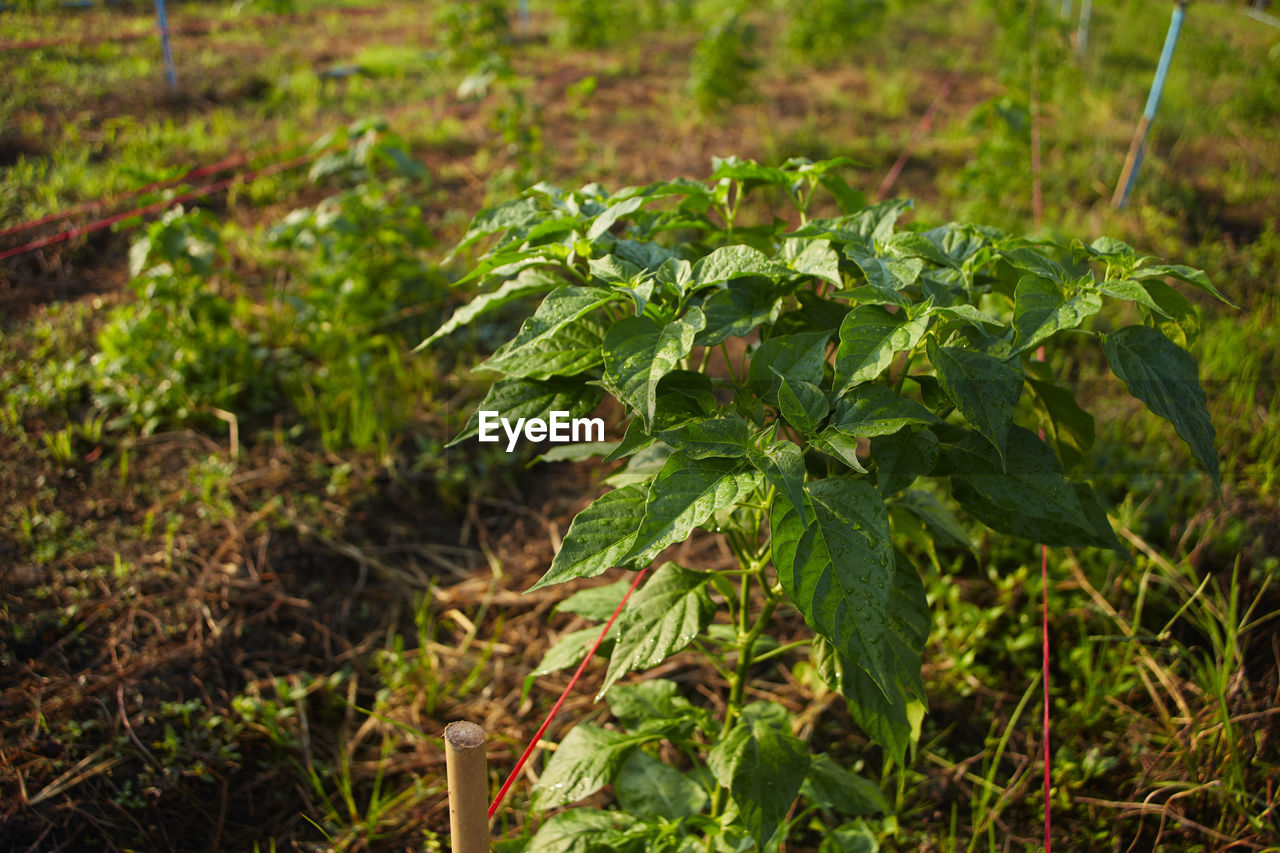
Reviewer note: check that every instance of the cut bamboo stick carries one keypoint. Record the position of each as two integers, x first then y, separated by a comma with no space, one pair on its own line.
468,787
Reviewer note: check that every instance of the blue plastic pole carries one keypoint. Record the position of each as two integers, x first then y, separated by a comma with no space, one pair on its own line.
1082,29
524,17
1065,9
1129,176
162,21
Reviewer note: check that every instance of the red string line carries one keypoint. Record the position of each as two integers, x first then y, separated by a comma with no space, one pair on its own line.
502,793
1044,665
159,205
926,122
191,29
112,201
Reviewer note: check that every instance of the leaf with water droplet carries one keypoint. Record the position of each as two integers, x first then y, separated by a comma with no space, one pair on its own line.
662,618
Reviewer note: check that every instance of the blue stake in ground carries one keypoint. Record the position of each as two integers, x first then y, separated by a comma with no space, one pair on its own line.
162,21
1129,175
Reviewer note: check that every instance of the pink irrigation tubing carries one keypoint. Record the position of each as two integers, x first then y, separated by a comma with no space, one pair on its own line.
158,205
502,792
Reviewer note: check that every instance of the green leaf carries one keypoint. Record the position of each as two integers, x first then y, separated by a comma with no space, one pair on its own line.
1183,325
838,790
887,275
1131,291
730,262
568,651
794,356
638,353
728,437
727,168
869,339
802,403
581,830
611,215
1163,375
1040,311
913,244
855,837
642,467
566,352
736,310
683,496
655,706
599,537
984,389
1029,260
871,410
577,452
892,719
525,284
817,259
782,463
839,445
849,199
943,526
1028,496
1194,277
902,457
647,787
1072,427
586,760
662,618
533,398
836,565
596,603
763,765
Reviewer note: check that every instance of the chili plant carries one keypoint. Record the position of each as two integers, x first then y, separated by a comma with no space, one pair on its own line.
822,395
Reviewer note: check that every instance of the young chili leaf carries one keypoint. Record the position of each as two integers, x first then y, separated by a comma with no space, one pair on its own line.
869,339
871,410
586,760
662,618
1029,496
1040,311
525,284
1163,375
838,790
683,496
984,389
902,457
763,765
802,403
735,311
638,352
533,398
571,349
836,565
730,262
599,537
656,706
1194,277
647,787
794,356
727,437
782,463
582,830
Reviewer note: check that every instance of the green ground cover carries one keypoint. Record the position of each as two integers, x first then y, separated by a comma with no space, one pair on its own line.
244,584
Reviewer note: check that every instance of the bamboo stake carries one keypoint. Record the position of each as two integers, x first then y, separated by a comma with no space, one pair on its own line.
468,787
